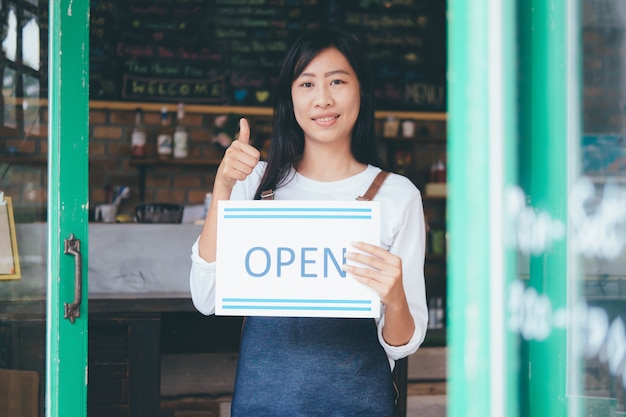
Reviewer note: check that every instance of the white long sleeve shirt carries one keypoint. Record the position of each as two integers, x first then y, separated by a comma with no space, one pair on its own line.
402,233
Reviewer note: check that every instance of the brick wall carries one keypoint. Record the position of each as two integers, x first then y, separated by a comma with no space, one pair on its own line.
111,164
179,181
604,94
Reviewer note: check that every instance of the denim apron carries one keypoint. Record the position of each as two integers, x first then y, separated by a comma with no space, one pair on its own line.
313,367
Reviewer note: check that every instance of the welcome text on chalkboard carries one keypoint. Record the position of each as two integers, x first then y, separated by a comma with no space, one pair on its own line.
229,52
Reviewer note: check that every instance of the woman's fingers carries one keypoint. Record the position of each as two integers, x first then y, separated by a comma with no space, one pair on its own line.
243,149
244,131
378,269
374,257
240,158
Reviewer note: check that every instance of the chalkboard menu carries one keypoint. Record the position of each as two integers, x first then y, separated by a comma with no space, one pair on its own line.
228,52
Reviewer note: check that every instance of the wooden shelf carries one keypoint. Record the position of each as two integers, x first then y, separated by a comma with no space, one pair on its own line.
24,159
440,198
175,162
133,161
245,111
251,111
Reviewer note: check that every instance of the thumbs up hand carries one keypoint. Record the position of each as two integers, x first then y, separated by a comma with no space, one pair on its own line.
238,162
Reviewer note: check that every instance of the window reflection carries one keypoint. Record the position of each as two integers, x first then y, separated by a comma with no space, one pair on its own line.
22,75
30,45
601,208
9,93
9,44
23,71
31,104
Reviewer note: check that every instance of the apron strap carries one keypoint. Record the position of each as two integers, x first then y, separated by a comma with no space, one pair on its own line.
371,192
368,196
267,195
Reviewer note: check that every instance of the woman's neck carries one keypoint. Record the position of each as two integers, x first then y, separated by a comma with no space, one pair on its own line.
328,166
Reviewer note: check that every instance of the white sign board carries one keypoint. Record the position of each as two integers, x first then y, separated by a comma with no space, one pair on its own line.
284,258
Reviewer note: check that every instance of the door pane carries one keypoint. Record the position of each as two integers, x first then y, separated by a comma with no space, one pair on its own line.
23,179
598,201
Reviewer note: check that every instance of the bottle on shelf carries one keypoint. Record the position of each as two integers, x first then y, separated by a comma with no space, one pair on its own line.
390,127
164,137
138,137
436,318
439,313
440,169
432,314
437,172
437,242
436,186
180,134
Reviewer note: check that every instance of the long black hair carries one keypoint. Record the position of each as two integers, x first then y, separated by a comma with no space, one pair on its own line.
287,144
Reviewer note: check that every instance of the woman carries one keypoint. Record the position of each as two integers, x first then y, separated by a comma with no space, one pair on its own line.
323,148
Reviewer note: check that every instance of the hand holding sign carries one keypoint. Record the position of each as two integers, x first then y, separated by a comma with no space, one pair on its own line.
383,272
239,160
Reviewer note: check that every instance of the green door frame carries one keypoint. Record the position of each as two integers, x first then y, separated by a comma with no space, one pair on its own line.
550,130
481,136
491,370
68,205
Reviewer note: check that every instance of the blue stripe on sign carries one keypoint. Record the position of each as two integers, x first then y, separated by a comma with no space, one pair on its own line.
304,213
293,216
286,300
300,304
302,308
333,209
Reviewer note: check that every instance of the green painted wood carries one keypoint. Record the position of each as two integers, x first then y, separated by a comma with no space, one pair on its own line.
68,205
549,118
468,336
482,365
510,369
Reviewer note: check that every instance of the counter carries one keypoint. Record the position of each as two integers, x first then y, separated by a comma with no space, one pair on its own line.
152,261
125,261
139,308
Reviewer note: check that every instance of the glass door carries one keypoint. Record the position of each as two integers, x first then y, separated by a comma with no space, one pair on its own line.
44,207
537,208
598,206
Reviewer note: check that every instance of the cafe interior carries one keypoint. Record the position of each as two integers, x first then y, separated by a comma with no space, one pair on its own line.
88,168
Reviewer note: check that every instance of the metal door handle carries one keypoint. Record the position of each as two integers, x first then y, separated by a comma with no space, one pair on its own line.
72,247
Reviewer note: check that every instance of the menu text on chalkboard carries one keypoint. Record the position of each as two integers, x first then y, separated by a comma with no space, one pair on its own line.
229,52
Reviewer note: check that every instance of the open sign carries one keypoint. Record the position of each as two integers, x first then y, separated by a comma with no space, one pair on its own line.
284,258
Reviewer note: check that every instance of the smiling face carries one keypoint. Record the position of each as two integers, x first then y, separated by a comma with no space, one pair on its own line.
326,98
